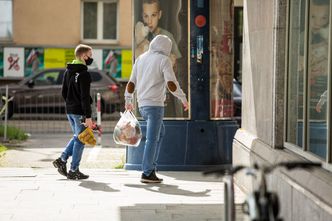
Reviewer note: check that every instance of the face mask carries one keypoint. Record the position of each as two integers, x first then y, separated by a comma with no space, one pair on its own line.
88,61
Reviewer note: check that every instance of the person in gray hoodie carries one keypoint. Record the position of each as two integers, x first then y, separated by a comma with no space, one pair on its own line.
151,76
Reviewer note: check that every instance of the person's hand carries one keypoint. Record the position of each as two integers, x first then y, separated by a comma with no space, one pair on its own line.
88,123
185,106
141,32
129,107
318,107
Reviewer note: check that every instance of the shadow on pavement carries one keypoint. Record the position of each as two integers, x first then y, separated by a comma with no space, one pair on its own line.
169,189
188,176
97,186
47,160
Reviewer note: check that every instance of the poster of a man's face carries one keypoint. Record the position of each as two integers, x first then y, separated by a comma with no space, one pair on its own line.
151,15
164,17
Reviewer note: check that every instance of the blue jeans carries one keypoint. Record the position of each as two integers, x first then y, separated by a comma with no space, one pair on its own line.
155,131
74,148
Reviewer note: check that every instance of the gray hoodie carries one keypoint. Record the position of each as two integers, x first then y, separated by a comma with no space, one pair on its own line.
152,73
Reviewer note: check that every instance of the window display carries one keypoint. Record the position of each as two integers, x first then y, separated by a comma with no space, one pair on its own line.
221,71
308,75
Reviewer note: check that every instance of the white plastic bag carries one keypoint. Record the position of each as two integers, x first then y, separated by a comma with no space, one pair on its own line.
127,131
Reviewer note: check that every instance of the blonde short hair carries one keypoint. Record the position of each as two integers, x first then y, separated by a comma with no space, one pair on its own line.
81,49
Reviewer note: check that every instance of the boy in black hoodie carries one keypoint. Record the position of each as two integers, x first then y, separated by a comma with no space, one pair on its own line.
76,93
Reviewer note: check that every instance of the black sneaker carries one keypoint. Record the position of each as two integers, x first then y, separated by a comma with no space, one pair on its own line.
62,167
152,178
77,175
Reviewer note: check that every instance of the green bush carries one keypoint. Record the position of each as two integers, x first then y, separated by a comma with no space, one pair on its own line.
2,148
120,165
13,133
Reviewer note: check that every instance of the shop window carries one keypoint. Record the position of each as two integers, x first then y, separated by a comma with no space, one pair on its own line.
99,21
6,19
308,76
222,81
238,36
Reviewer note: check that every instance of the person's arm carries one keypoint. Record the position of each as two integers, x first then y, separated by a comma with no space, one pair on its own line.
321,102
217,97
141,32
84,82
130,88
64,88
141,48
141,41
172,83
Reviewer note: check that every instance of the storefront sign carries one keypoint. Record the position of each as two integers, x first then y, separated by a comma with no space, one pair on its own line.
58,57
14,62
126,64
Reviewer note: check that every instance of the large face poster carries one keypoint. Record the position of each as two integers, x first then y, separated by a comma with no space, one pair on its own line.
166,17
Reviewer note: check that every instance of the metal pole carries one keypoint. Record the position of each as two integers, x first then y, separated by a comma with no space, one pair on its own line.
6,114
99,118
229,209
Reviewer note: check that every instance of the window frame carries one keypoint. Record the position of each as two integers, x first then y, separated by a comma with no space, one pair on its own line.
10,38
303,151
100,23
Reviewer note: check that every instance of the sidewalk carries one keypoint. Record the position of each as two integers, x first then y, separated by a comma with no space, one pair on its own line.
31,189
42,194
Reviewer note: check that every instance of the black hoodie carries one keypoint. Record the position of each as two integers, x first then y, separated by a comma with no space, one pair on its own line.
76,90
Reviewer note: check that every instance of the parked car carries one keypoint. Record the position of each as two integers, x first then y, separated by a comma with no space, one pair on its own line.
41,92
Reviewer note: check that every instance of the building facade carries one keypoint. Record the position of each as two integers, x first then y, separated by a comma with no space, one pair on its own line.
286,113
42,34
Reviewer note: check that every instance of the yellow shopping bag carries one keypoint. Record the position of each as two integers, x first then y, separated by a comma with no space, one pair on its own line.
87,137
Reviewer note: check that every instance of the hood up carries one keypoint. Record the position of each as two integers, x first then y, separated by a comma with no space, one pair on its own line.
161,44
